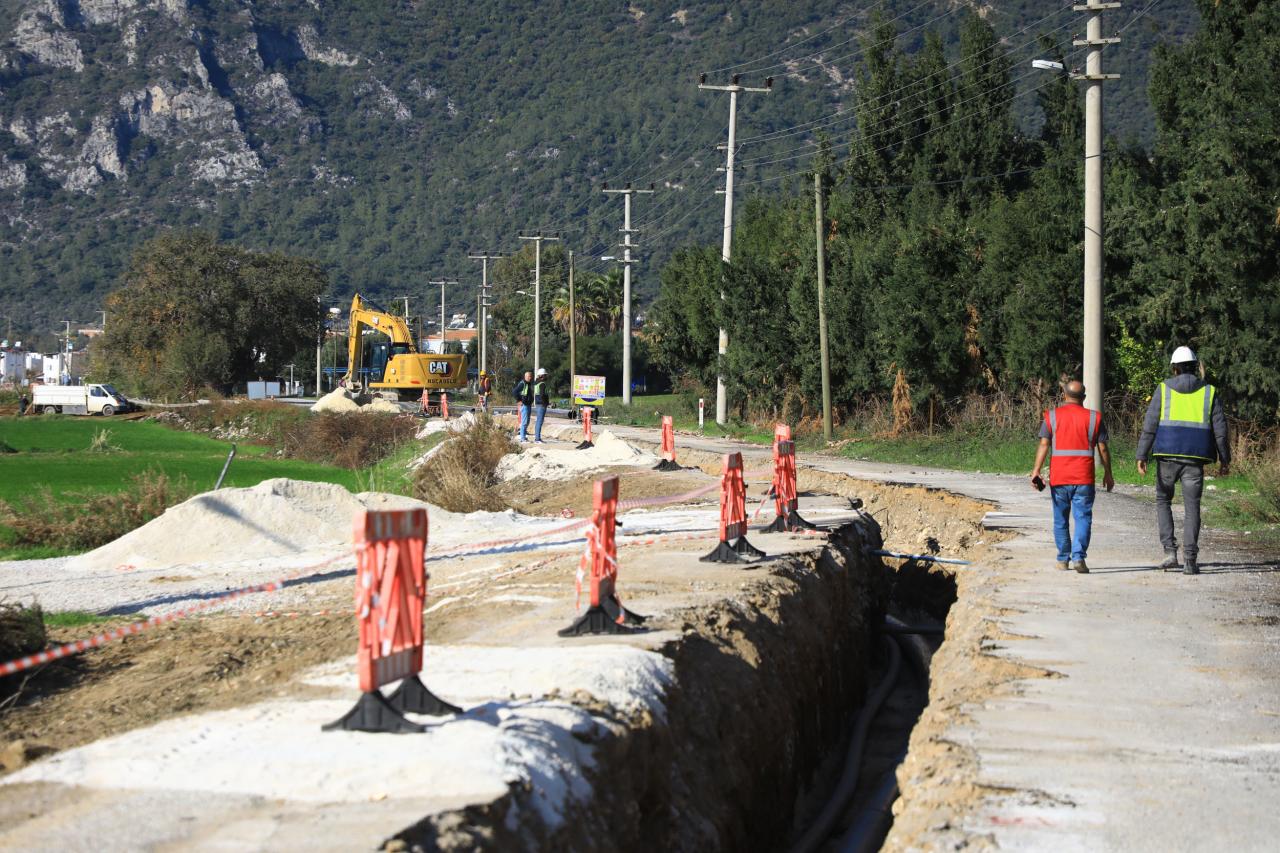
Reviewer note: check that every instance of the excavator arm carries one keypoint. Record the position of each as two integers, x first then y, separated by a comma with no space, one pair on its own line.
366,315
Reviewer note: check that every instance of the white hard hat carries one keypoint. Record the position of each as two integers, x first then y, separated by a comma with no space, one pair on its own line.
542,371
1182,355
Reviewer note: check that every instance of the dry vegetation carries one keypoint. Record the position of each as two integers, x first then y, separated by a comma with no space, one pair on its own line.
21,633
91,519
460,476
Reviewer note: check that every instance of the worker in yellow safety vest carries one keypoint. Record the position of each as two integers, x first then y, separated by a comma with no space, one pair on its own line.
1185,429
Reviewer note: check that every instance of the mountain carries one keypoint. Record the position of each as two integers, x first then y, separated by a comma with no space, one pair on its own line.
387,139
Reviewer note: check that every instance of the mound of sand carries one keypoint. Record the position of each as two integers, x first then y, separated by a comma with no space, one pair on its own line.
280,518
434,426
538,462
340,400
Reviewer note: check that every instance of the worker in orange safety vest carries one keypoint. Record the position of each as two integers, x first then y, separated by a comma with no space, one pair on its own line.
1068,436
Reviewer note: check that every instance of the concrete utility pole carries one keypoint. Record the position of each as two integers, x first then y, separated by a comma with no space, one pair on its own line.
722,403
482,322
573,332
820,227
627,246
442,282
537,297
1093,198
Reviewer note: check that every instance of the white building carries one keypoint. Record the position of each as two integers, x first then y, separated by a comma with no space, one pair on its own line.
13,367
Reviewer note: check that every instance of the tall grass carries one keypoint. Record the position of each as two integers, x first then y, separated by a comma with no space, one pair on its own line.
461,477
91,519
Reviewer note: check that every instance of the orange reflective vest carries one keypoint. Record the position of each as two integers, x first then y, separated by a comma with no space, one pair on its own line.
1073,431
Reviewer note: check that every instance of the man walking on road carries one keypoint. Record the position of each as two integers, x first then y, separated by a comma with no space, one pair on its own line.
540,402
524,399
1185,429
1068,437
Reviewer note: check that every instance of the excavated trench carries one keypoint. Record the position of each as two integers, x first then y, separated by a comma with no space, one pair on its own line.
768,688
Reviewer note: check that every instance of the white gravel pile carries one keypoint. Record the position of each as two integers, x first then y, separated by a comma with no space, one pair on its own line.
340,401
456,425
538,462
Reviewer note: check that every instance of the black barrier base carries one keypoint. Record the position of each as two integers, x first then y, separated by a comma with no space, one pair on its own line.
792,521
614,608
586,445
373,713
668,465
413,697
723,553
745,548
597,620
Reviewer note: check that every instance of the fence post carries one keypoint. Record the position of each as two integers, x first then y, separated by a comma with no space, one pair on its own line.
606,615
391,585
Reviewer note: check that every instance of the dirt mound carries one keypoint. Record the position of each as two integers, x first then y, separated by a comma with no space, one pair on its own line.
461,424
549,463
272,519
280,518
340,400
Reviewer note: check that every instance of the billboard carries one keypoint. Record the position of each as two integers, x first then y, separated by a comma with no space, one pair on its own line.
588,390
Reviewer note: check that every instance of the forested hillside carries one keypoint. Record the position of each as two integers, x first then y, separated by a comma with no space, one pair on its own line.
386,139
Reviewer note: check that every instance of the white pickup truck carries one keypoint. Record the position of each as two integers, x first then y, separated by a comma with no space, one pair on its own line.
79,400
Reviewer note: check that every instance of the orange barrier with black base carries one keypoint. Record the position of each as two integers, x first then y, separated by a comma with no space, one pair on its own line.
786,500
426,402
668,462
606,615
586,429
391,585
444,406
733,516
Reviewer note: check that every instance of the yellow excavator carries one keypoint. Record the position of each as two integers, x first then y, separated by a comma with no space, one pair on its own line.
392,365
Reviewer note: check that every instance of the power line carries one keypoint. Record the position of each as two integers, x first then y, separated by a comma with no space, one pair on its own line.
834,118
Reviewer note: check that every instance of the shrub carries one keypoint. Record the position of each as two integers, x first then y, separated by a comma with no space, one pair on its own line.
21,630
91,519
460,476
1264,473
351,440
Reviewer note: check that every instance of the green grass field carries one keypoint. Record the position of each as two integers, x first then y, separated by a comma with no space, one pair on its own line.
53,451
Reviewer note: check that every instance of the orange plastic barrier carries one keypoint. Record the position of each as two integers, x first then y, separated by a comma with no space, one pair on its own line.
668,462
606,615
426,402
444,406
733,516
786,500
586,428
391,585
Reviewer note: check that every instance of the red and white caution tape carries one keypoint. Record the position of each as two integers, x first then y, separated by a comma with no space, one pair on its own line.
69,649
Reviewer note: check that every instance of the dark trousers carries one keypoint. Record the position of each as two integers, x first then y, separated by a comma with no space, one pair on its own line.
1169,473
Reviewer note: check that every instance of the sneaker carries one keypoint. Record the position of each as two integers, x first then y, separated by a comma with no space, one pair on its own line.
538,441
1063,565
1170,561
1080,567
1191,568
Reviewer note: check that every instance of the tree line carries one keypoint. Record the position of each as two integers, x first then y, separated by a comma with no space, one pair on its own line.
954,239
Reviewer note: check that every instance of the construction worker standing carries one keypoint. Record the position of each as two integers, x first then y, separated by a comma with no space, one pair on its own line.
540,402
1068,437
484,387
1185,429
524,399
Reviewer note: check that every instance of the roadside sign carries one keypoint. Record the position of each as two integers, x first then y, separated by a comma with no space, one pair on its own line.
588,390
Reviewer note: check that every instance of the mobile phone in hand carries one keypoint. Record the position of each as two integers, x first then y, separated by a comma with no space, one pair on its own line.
1038,482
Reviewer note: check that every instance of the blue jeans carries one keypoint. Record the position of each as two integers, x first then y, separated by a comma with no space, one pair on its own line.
1078,500
537,429
524,422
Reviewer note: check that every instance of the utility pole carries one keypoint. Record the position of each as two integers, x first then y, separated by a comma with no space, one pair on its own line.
627,245
442,282
722,403
66,351
537,297
573,332
1093,197
820,228
483,320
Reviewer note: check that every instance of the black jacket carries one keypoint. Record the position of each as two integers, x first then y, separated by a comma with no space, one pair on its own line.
1185,383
